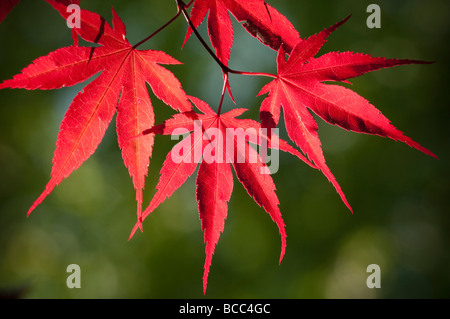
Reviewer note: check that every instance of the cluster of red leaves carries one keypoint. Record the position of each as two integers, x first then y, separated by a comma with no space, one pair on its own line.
124,71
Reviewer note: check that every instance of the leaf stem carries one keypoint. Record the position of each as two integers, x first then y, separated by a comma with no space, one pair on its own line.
164,26
182,7
225,84
270,75
225,69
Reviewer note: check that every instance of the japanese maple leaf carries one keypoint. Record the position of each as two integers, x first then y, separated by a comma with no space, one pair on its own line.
121,85
299,88
257,17
216,152
7,5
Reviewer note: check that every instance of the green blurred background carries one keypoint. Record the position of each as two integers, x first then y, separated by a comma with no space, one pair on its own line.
400,196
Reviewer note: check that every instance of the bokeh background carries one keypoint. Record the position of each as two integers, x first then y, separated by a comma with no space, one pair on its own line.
400,196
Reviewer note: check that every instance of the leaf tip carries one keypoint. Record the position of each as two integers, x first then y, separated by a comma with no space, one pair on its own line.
344,199
3,86
419,147
283,245
205,280
428,152
337,25
281,255
33,207
136,226
350,208
48,189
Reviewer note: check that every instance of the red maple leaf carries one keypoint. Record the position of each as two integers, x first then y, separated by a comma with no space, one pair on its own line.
299,88
217,142
7,5
257,17
120,86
